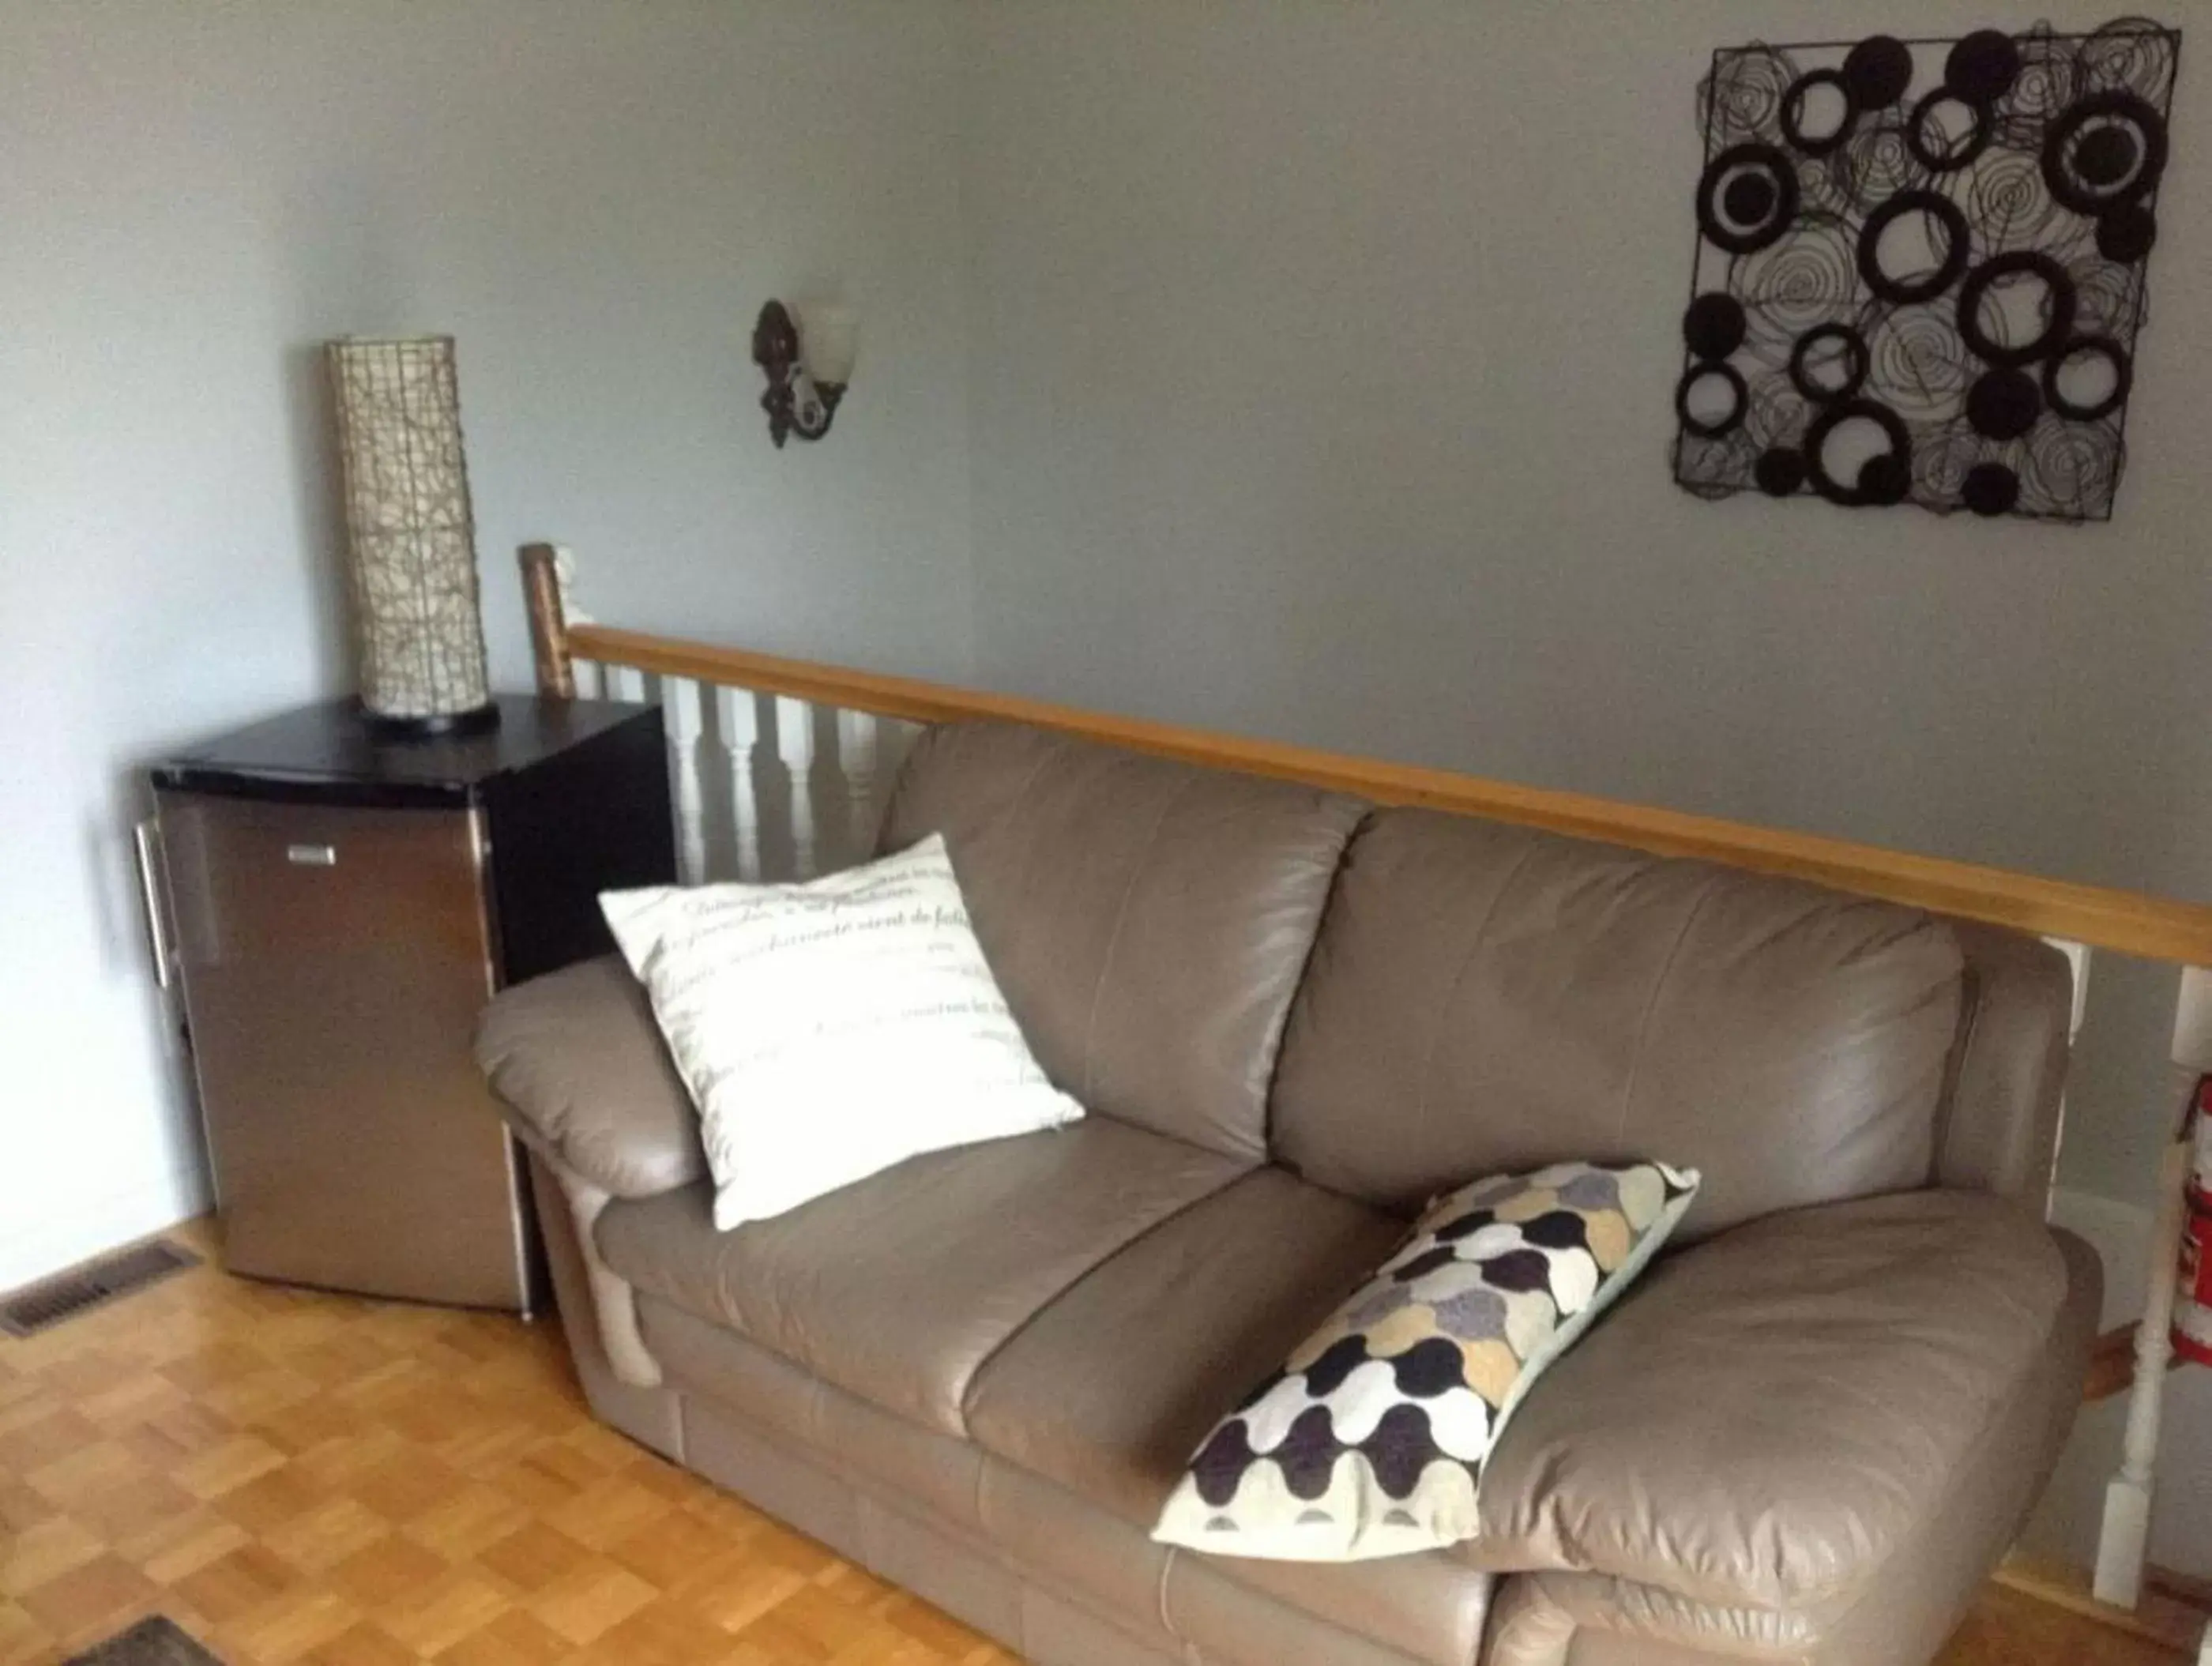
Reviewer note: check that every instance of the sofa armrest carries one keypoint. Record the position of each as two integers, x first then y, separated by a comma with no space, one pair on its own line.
579,1061
1768,1420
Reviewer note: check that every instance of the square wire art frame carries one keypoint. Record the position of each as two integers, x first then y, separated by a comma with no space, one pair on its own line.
1920,269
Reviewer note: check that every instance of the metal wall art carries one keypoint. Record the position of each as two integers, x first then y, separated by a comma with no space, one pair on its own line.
1920,269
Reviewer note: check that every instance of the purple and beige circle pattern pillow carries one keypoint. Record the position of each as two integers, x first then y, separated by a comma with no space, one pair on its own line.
1371,1439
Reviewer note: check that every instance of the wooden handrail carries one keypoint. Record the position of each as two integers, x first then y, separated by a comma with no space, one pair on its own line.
2128,922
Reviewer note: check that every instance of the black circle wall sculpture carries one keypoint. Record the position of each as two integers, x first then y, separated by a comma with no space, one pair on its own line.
1714,326
2124,233
1701,385
1921,268
2003,404
1803,126
1779,472
1829,361
1982,67
1995,331
1882,478
2099,353
2104,151
1878,71
1946,131
1944,238
1748,197
1989,488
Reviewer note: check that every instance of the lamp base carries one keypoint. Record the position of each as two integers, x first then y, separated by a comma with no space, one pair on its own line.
438,726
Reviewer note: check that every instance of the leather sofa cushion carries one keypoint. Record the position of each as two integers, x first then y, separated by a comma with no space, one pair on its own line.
1769,1417
1105,1393
1110,1388
577,1056
1903,1614
1147,920
900,1287
2000,1123
1486,999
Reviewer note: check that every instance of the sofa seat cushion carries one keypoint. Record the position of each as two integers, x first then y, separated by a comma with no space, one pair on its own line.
1368,1441
1767,1420
900,1287
1106,1393
1110,1389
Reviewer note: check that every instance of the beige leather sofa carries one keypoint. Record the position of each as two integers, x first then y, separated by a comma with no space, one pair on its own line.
1805,1436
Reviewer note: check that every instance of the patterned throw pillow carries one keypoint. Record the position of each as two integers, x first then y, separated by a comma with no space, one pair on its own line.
1371,1439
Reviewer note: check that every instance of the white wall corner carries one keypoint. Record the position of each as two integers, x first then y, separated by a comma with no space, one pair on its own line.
31,1249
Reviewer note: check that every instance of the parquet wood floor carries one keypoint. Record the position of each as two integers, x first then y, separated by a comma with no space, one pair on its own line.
313,1478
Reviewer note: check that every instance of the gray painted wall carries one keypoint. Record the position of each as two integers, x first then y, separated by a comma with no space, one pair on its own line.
1321,377
595,197
1322,381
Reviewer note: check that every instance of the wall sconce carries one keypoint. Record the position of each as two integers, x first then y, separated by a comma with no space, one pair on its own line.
808,362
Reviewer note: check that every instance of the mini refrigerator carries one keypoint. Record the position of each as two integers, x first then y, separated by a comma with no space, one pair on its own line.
339,908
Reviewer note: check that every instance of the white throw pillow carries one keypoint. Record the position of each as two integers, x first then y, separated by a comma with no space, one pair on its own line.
831,1028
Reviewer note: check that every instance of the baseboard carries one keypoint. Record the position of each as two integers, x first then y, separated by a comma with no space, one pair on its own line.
31,1249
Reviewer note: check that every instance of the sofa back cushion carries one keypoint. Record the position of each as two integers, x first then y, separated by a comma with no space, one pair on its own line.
1484,998
1148,920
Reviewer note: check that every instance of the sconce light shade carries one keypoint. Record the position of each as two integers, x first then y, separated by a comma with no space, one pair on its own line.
829,341
410,535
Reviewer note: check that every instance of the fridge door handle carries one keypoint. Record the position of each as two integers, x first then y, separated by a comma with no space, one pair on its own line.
147,836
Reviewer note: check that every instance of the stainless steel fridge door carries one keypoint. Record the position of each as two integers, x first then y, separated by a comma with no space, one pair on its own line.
334,961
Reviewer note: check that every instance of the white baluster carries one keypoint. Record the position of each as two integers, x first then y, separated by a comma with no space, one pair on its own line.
564,580
856,758
680,713
794,745
2077,958
737,718
626,683
898,740
2123,1545
591,682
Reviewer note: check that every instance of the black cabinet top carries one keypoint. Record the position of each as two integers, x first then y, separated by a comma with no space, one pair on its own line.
328,752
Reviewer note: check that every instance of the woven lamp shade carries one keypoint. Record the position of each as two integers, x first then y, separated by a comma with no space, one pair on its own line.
418,619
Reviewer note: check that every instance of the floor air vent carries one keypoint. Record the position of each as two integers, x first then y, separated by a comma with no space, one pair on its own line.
41,1306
